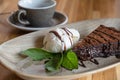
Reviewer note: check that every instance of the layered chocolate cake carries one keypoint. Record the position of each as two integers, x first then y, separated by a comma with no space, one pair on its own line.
102,42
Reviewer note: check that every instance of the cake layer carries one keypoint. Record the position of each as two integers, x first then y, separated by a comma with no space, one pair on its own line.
102,42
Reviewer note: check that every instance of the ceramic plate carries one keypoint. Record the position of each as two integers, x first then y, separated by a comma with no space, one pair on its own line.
58,19
29,70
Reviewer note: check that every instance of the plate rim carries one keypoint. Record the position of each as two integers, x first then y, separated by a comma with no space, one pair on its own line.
66,76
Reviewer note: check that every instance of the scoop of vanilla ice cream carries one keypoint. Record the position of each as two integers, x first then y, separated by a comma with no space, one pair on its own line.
75,35
60,39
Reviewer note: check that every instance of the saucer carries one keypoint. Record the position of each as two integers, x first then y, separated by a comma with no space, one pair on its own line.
58,19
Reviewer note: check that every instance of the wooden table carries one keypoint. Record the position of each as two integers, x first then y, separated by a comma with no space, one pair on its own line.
76,10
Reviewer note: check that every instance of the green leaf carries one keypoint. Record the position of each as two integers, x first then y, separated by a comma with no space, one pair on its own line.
54,63
70,60
37,54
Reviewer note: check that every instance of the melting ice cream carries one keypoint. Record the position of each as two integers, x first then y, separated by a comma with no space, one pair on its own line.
60,39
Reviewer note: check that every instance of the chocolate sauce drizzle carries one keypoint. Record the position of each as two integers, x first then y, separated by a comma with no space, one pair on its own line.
57,35
106,34
82,64
94,61
112,29
68,33
91,60
99,35
88,41
95,39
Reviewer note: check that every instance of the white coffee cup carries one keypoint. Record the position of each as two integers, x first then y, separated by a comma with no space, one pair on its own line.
36,12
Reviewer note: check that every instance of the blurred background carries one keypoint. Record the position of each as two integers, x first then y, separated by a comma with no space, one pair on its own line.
76,10
89,9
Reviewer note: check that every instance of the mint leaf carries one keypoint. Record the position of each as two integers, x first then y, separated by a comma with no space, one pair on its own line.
37,54
54,63
67,60
70,60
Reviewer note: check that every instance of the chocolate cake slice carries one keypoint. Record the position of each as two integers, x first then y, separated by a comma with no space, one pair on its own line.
102,42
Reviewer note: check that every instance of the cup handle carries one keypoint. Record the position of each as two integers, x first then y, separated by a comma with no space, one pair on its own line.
21,20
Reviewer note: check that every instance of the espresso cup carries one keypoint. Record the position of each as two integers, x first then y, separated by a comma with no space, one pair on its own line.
36,12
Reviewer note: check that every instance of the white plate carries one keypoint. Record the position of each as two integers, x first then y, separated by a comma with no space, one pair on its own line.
22,67
58,19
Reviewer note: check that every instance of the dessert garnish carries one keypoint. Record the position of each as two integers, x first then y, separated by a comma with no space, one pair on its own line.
56,50
67,59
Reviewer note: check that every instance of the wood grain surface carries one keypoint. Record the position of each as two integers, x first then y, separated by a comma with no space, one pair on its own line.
76,10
